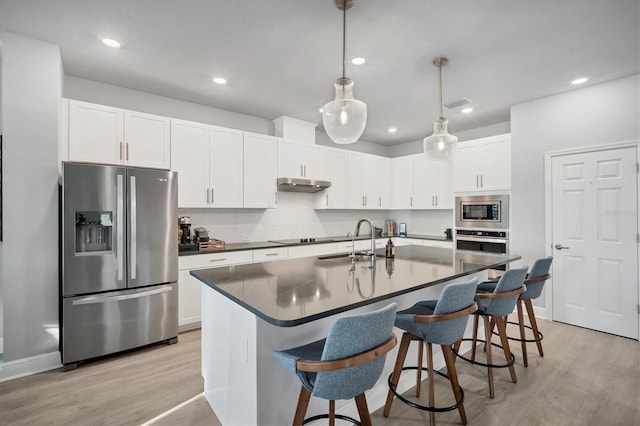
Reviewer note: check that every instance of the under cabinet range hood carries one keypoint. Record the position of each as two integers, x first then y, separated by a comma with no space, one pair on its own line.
302,185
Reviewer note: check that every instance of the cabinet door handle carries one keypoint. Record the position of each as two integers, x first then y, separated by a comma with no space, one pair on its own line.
477,181
327,202
218,260
365,200
208,196
481,183
120,150
433,201
411,201
271,254
301,170
127,151
212,196
436,201
379,201
305,170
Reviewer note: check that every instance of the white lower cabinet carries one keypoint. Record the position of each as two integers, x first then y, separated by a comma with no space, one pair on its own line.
270,254
190,288
311,250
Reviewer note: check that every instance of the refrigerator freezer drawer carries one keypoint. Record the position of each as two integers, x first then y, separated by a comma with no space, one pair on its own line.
101,324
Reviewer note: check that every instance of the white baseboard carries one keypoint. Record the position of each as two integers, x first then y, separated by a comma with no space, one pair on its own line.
31,365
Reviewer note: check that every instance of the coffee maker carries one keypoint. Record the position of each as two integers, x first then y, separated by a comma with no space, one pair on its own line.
184,231
185,225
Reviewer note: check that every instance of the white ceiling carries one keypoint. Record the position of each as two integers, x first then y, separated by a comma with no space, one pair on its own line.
281,57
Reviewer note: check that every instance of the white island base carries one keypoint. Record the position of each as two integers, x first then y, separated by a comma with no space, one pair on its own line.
243,383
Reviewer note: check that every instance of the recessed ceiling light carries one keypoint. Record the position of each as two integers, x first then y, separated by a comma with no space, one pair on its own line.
580,80
392,129
359,60
111,42
320,110
466,110
219,80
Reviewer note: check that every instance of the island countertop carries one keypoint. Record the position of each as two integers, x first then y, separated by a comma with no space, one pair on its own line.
291,292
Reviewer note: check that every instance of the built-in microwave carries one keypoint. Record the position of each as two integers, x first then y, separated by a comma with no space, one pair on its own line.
482,211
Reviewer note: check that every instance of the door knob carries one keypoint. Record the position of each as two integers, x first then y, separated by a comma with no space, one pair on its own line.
561,247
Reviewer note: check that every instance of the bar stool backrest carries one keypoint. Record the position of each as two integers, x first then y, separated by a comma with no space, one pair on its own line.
350,336
510,280
540,268
454,297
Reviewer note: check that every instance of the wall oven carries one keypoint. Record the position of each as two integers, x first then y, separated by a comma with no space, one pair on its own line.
485,241
482,211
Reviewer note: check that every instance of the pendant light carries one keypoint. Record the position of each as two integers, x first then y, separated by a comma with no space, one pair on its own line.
344,118
440,144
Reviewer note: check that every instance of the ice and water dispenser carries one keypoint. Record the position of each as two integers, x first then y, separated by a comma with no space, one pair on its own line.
93,231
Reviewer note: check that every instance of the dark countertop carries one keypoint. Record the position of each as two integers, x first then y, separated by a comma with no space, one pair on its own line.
291,292
296,242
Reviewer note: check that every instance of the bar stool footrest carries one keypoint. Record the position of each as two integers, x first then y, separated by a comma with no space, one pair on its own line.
425,407
509,364
326,416
517,339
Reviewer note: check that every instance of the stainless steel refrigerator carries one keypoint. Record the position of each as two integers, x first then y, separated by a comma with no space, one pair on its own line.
119,259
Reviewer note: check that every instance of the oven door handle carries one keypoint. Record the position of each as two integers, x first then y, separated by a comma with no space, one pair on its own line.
482,239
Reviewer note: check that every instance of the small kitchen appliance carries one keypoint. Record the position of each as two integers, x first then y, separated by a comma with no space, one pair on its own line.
185,224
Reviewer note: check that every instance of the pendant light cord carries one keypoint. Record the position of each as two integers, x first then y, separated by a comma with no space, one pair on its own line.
344,36
440,69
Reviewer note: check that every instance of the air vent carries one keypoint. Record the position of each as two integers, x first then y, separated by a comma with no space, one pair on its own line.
457,103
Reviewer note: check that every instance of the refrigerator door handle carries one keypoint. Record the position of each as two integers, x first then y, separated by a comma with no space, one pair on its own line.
120,227
134,227
104,299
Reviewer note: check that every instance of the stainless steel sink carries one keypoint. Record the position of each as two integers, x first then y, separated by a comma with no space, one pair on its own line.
343,258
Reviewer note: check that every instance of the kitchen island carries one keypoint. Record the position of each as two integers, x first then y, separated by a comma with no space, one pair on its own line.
250,310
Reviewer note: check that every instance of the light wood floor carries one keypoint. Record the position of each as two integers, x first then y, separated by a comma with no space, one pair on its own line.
585,378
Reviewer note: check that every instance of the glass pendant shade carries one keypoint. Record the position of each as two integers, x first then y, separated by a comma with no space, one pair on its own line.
344,118
440,145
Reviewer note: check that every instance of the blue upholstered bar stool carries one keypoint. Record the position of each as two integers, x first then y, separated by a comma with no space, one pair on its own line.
344,365
534,282
442,322
493,308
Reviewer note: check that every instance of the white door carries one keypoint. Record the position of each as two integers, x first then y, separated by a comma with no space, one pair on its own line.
594,208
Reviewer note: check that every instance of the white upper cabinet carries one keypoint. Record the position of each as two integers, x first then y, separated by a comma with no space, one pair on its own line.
190,158
103,134
260,170
421,183
226,167
147,140
402,182
483,164
299,160
368,178
384,183
208,160
334,197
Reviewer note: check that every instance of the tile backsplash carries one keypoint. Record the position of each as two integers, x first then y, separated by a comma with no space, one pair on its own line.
295,217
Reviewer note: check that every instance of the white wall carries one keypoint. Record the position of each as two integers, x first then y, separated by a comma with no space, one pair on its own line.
31,90
596,115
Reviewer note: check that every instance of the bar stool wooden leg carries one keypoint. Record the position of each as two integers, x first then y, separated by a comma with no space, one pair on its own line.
363,410
432,398
419,371
332,413
487,332
450,360
502,331
534,324
397,369
303,402
474,339
525,360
